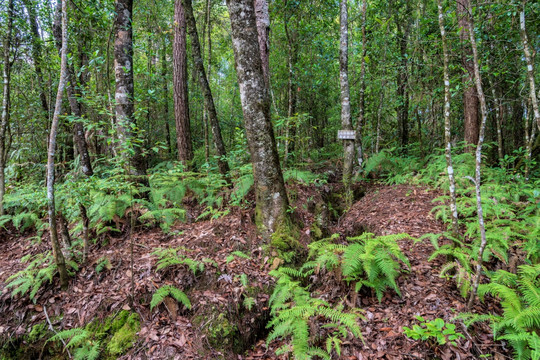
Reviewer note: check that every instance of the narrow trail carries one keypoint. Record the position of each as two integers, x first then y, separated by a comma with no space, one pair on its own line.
175,333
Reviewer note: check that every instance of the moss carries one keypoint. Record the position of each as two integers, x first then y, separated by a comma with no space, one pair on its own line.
38,332
221,333
284,238
123,337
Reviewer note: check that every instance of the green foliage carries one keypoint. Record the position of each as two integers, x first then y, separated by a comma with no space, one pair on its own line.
434,330
168,257
81,341
520,299
103,263
293,308
169,290
238,254
368,260
304,176
41,268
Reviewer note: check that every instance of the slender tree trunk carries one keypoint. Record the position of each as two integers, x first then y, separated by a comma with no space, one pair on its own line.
180,85
57,251
271,197
530,65
166,95
292,58
346,122
209,74
447,126
205,87
36,54
470,95
361,105
477,179
6,76
123,70
402,85
72,93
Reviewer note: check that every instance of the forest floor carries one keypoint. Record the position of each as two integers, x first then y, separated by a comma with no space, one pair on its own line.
217,319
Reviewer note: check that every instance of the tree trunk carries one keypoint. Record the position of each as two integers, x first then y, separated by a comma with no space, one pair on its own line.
477,180
361,103
180,86
263,30
205,87
123,71
57,251
470,95
72,93
530,65
447,126
271,197
292,98
166,96
36,54
6,75
402,85
346,122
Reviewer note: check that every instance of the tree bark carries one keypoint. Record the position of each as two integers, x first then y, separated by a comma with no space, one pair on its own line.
470,95
346,122
271,197
205,87
6,97
361,103
530,65
477,180
447,126
123,71
180,86
57,251
402,85
263,30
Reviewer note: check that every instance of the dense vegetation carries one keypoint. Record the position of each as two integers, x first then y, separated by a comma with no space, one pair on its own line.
124,120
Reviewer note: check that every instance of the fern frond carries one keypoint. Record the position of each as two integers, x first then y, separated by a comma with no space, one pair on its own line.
169,290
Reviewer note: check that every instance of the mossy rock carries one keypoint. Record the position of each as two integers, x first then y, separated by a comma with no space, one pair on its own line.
222,335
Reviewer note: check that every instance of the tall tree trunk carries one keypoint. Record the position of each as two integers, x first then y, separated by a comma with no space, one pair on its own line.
447,126
36,53
205,87
361,103
346,122
263,30
6,75
180,86
271,197
402,86
57,251
165,90
530,65
477,179
123,71
470,95
292,98
4,124
72,93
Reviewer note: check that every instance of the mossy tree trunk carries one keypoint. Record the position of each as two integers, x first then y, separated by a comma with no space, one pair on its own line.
271,197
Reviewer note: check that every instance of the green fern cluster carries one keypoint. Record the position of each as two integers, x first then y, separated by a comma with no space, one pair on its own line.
81,341
293,308
368,260
41,268
169,290
168,257
520,299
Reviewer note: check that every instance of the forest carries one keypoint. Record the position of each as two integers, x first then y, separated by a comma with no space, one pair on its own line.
270,179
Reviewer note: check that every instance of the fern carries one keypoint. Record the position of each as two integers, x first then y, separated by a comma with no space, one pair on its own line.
169,257
368,260
103,263
86,348
169,290
30,280
293,308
